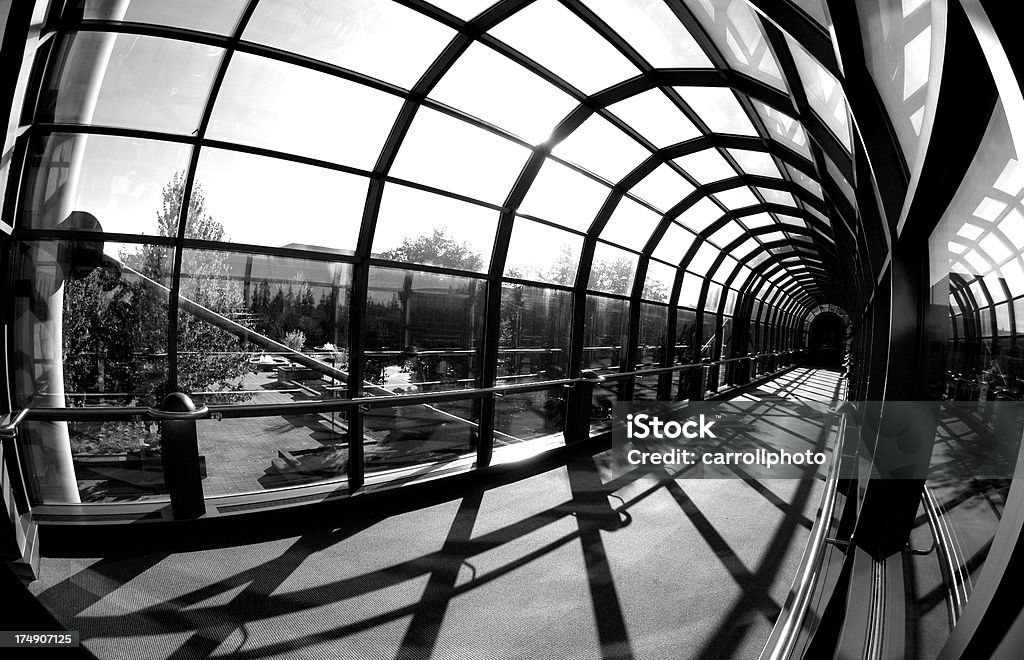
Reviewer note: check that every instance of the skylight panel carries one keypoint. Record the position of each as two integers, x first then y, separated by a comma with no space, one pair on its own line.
655,117
673,244
279,106
630,225
381,39
700,215
465,9
783,128
805,182
737,198
704,258
655,32
728,233
824,93
450,154
216,16
493,88
737,33
719,109
551,35
561,194
756,163
298,205
773,196
411,213
663,188
600,147
706,166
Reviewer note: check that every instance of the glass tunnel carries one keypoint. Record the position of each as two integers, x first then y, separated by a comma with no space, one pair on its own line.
321,322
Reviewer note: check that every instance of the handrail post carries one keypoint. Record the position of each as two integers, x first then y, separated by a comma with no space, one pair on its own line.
578,406
179,452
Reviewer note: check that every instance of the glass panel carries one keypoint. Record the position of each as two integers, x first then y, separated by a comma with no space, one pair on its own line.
783,128
123,183
91,321
757,163
533,347
381,39
718,108
660,278
805,181
655,117
562,195
897,49
727,234
737,33
706,166
631,224
685,326
651,345
815,9
423,331
699,216
450,154
674,244
663,188
824,94
129,81
495,89
418,227
218,16
656,33
464,9
725,269
414,435
598,146
291,208
261,329
541,32
704,258
711,302
773,196
266,104
841,181
604,333
689,294
737,198
539,252
612,270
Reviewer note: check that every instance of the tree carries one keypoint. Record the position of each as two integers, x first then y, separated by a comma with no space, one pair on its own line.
436,249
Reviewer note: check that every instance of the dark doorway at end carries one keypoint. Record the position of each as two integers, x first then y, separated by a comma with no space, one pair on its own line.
826,341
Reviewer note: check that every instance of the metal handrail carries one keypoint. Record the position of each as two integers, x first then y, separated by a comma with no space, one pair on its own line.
10,427
138,413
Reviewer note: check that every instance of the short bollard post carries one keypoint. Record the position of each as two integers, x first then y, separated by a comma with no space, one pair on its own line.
179,452
578,411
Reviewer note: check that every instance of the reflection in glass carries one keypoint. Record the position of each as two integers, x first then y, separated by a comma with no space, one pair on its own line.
736,31
122,182
267,104
783,128
129,81
450,154
403,436
419,227
299,206
824,93
605,329
423,331
541,30
564,196
540,252
379,38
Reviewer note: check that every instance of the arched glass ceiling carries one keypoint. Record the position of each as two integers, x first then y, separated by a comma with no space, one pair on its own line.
560,143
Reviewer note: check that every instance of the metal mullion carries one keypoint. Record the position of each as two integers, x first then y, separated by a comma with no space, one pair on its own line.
186,200
807,31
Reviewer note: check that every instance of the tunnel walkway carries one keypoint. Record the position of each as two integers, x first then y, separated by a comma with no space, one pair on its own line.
568,563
